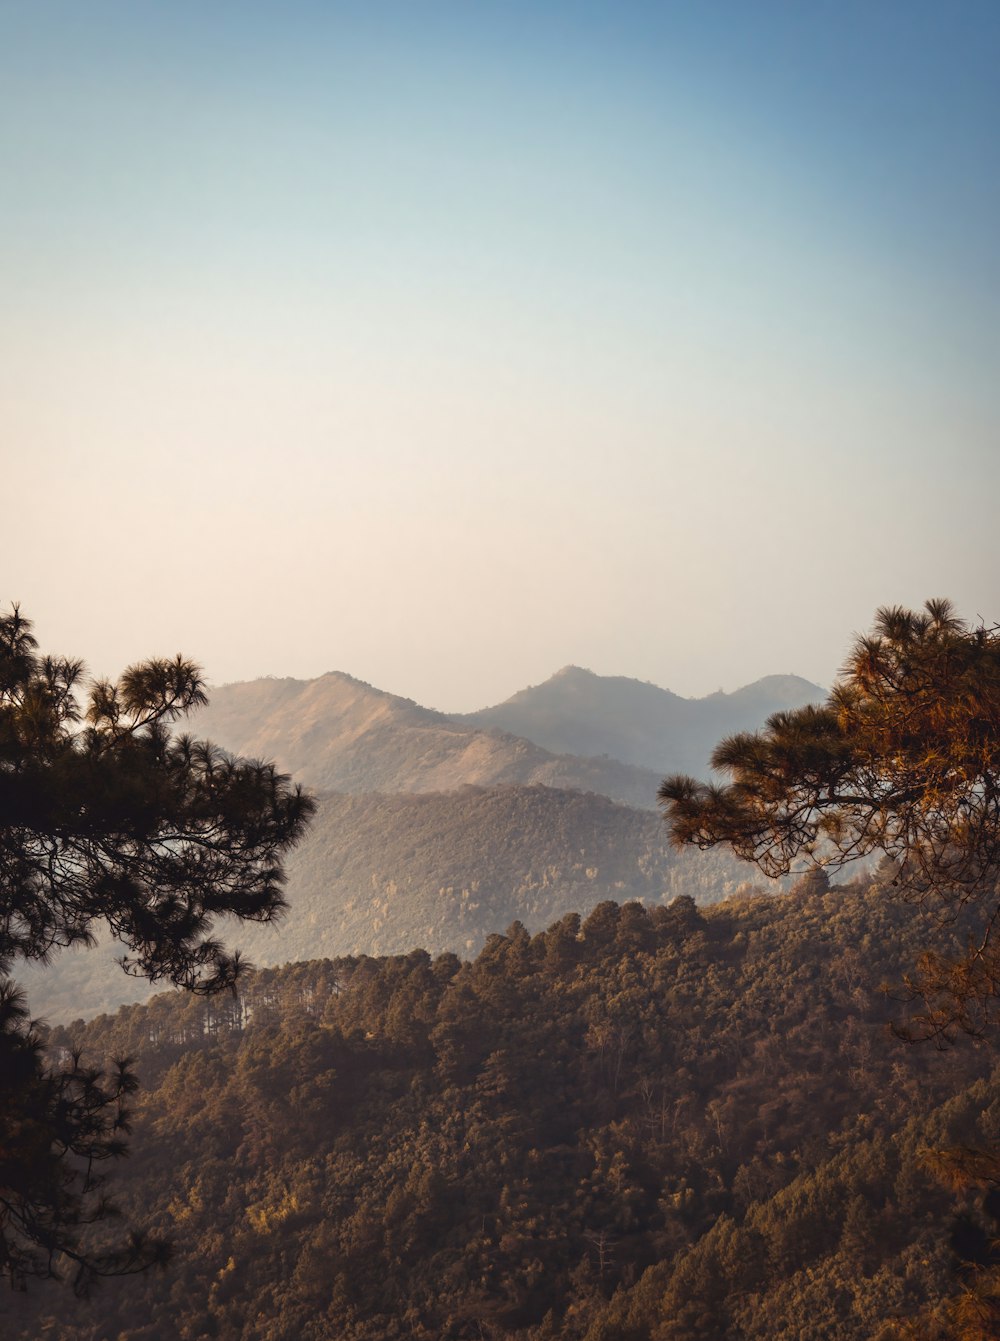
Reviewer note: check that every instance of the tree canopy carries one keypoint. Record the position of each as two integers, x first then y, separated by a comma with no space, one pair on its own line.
651,1124
107,817
903,758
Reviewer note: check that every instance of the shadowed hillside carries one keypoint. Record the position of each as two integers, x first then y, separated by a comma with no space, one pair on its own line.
578,712
379,874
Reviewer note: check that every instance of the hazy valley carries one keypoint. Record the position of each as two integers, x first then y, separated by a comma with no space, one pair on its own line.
435,831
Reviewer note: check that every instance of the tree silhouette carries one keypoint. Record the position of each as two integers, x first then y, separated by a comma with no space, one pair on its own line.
108,818
903,758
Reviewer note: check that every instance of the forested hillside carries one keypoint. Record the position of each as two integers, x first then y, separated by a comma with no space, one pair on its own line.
666,1125
379,874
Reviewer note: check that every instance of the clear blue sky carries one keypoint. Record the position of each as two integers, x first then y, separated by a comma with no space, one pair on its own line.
446,344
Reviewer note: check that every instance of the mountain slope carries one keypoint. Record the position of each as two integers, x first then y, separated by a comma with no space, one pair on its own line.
675,1125
382,874
339,734
580,713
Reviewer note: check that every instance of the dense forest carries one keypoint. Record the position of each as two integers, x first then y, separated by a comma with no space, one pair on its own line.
654,1125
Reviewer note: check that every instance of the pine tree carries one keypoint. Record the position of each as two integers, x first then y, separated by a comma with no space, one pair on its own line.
903,759
107,817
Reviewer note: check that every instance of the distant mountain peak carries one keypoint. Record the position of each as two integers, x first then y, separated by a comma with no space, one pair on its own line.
604,733
790,686
339,733
352,681
578,712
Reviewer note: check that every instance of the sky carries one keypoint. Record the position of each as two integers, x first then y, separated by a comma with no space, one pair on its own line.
449,344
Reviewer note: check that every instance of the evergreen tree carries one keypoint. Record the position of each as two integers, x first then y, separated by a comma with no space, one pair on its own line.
902,759
108,818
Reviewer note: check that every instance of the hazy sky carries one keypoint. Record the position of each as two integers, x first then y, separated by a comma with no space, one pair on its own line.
446,344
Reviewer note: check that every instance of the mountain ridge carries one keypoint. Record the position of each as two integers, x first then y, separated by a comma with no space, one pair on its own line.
581,713
612,734
337,733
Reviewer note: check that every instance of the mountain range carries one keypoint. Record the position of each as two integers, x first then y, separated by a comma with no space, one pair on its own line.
436,830
607,734
337,733
578,712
